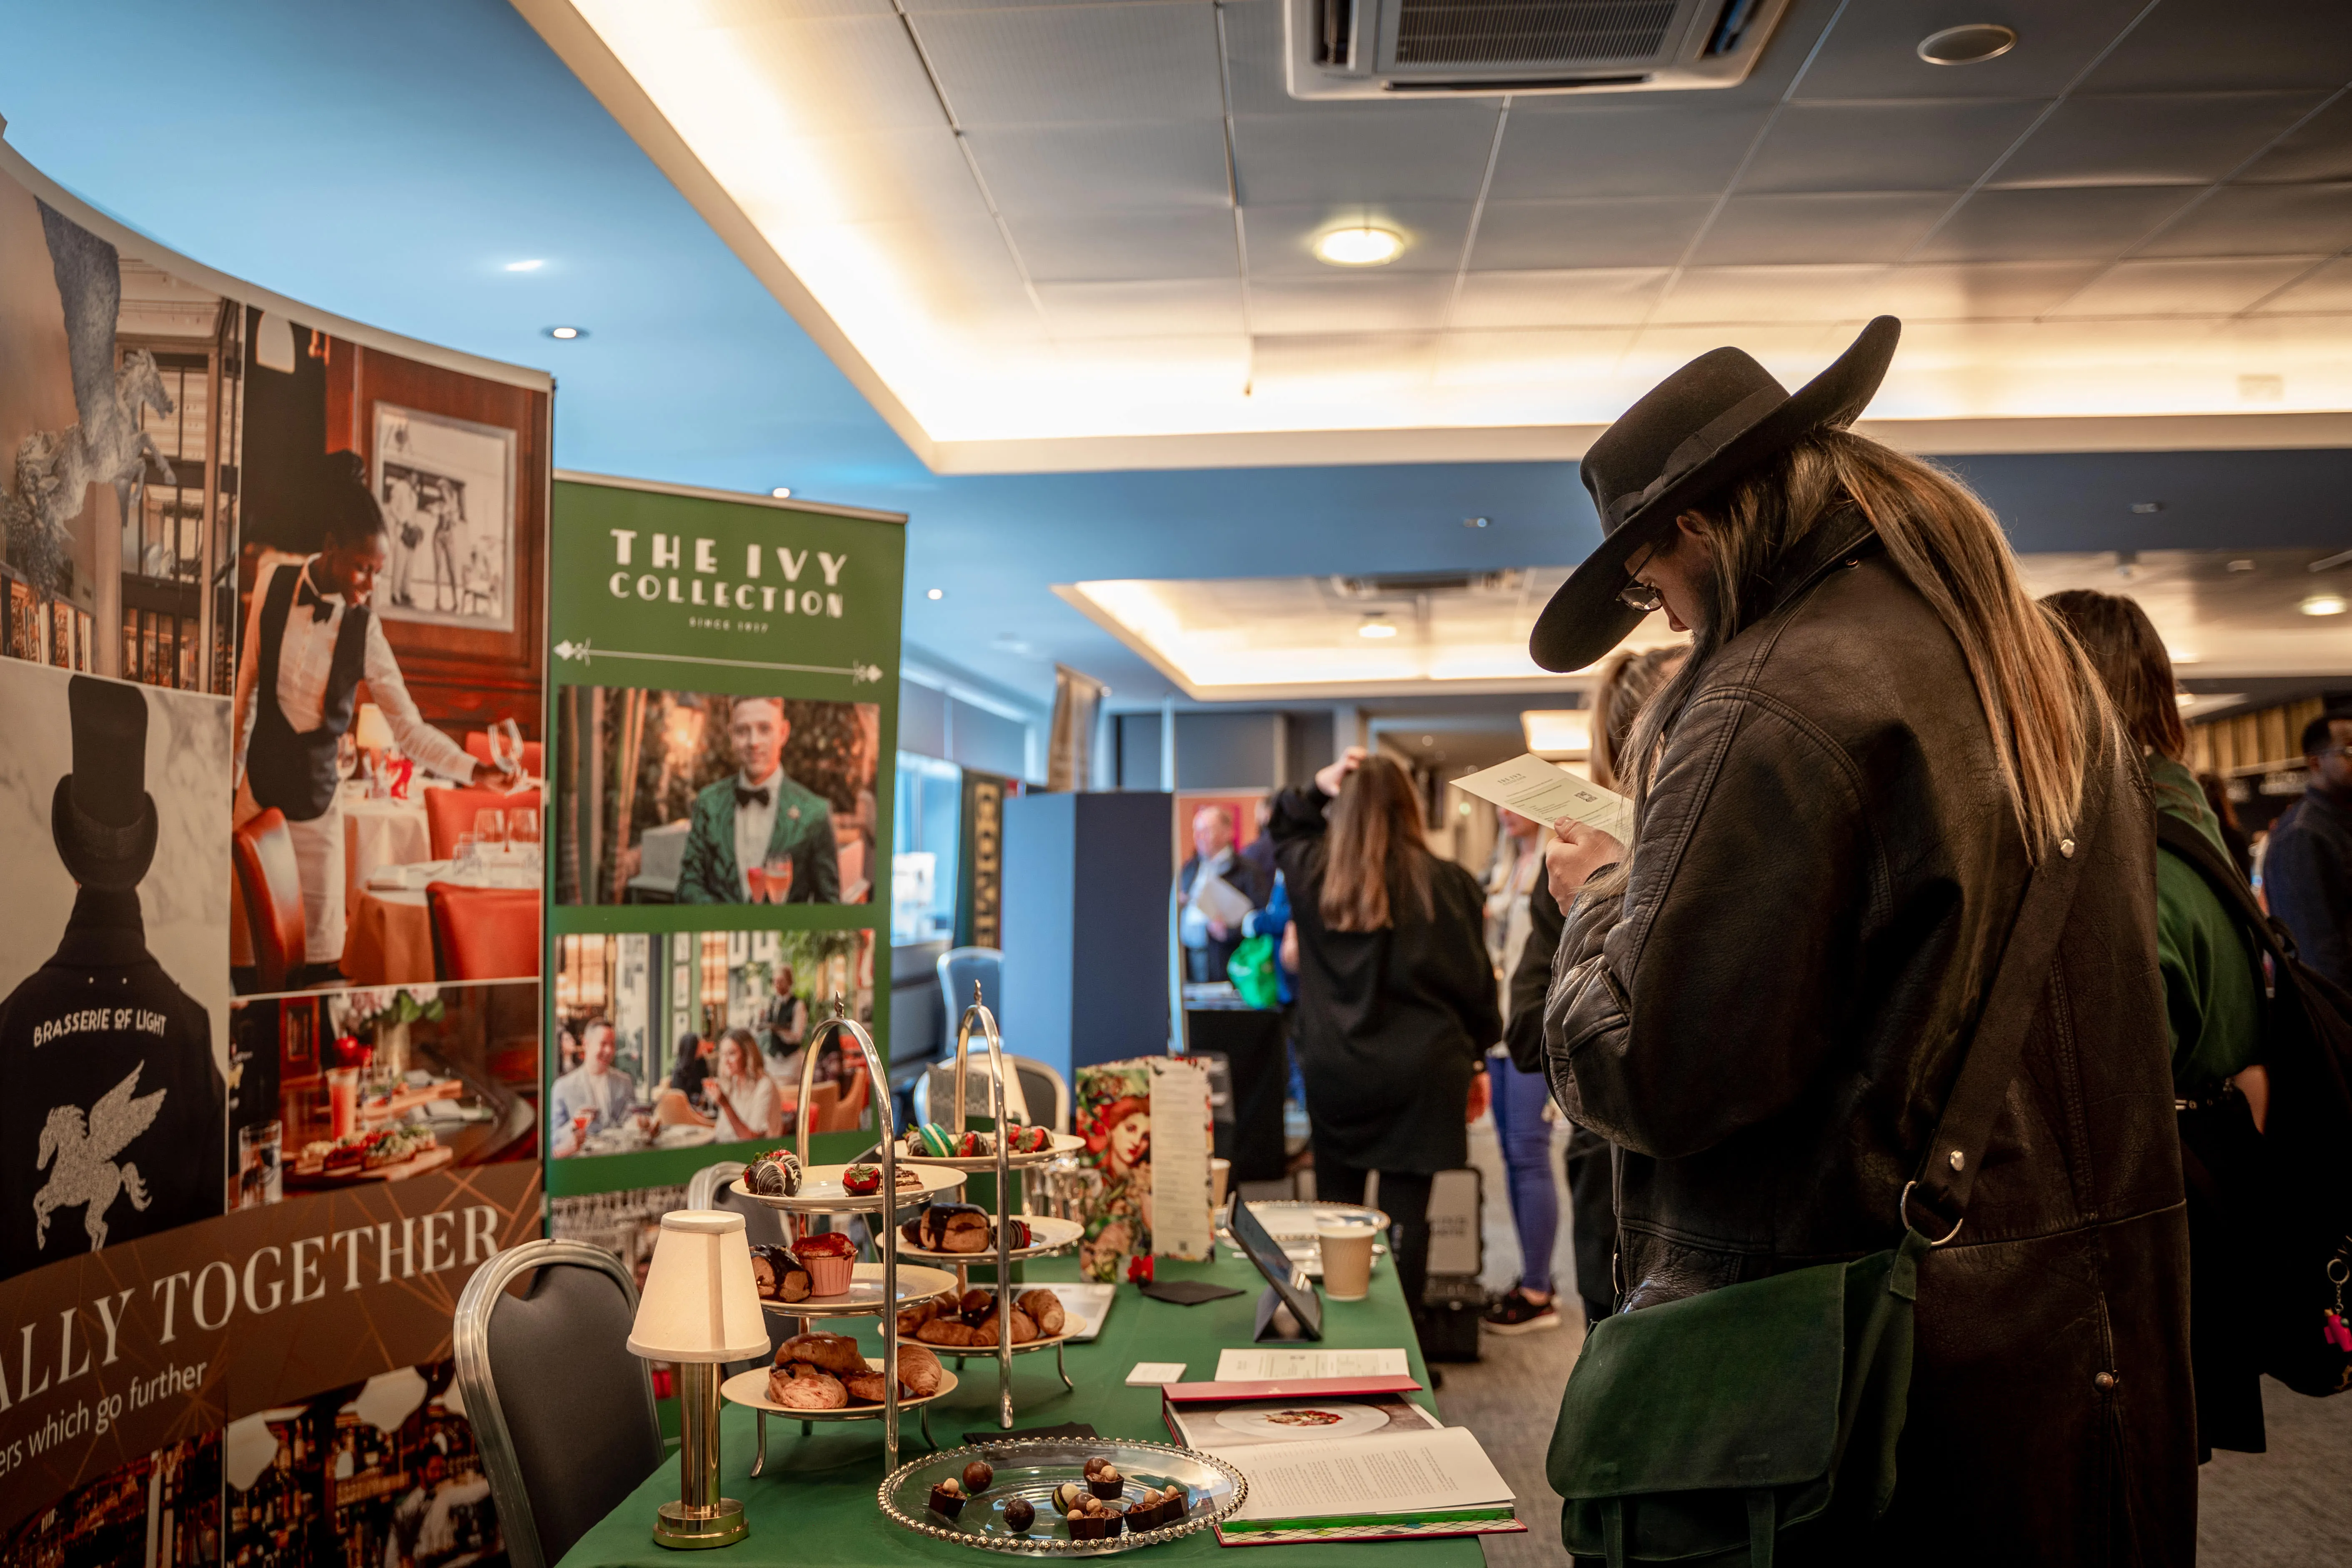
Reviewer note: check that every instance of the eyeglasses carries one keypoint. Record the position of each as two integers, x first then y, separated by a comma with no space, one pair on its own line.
1639,596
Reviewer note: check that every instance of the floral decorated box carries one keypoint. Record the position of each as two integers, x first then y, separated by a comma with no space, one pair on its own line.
1147,1127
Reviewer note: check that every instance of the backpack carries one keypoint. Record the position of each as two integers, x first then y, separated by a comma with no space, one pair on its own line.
2288,1191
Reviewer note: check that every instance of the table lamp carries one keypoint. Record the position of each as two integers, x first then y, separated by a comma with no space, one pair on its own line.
700,1307
371,731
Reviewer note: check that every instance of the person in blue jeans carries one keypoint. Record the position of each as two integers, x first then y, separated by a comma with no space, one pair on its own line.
1521,1099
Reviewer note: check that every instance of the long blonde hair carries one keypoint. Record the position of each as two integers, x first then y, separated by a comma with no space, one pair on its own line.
1627,680
1375,840
2040,695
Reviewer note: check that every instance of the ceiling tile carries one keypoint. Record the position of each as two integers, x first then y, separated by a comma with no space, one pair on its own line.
1873,51
1082,247
1253,60
1281,238
1629,231
2260,220
2053,224
887,174
1187,307
1681,150
2184,288
1049,168
2318,149
1073,64
2151,139
1795,353
1847,226
2184,45
838,72
1769,295
1977,291
1365,360
2324,290
1527,357
1398,303
923,6
1380,152
1586,296
1931,145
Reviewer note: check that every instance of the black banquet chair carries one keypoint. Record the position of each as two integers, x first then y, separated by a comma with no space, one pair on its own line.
564,1415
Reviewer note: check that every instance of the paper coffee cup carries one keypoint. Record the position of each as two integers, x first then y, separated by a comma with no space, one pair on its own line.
1220,1172
1347,1259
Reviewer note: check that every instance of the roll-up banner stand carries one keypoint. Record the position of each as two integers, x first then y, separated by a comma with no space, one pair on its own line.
273,598
726,693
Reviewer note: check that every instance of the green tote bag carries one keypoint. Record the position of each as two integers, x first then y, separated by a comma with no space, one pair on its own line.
1699,1431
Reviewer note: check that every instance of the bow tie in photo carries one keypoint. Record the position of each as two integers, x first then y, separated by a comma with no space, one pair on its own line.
749,796
320,608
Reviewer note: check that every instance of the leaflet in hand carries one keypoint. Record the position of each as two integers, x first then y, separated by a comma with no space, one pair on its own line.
1546,791
1219,899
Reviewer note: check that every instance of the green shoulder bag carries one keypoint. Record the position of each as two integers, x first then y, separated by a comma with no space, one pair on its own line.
1251,969
1700,1431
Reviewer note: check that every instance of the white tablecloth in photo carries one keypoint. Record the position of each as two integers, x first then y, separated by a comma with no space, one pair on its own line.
390,938
378,833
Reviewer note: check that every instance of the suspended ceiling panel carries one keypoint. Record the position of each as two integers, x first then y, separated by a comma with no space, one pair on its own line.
1080,234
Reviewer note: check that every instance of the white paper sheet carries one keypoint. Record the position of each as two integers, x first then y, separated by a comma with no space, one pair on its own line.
1248,1363
1152,1374
1180,1226
1406,1472
1547,792
1220,900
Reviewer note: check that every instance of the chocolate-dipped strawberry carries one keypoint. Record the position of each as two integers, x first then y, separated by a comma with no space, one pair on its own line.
860,1180
775,1174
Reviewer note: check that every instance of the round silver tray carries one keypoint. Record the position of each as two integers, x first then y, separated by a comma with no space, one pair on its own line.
864,1298
981,1165
1033,1468
821,1191
1052,1236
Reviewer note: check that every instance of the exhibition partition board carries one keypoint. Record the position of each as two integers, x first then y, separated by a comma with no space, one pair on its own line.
726,673
273,598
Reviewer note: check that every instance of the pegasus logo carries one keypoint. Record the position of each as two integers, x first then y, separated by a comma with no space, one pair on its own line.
86,1171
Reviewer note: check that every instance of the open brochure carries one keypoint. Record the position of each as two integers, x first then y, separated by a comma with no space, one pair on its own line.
1546,791
1433,1481
1256,1363
1219,899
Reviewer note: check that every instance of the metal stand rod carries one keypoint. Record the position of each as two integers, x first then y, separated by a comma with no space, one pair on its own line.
700,1517
887,1199
978,1011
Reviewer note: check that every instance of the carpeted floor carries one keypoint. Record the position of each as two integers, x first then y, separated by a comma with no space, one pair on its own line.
2291,1508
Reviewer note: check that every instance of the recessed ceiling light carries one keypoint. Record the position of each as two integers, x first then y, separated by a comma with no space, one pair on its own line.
531,266
1363,247
781,492
1474,522
2322,605
1376,625
565,334
936,594
2184,699
1966,46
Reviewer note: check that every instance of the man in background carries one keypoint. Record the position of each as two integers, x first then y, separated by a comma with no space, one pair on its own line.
756,837
1208,936
2307,868
591,1097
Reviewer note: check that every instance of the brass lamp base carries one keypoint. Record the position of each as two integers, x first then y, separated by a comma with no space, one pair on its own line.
685,1528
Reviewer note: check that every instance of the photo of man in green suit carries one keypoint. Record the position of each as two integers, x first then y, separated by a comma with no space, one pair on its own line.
756,837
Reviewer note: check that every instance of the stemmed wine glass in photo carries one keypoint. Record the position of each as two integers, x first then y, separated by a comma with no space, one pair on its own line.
779,879
490,829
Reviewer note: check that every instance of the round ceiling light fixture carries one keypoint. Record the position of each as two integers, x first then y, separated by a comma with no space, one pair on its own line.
2322,605
1968,46
781,492
1377,625
935,594
531,266
1361,247
565,334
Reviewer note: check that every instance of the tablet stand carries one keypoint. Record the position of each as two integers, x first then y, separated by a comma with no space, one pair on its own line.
1275,1320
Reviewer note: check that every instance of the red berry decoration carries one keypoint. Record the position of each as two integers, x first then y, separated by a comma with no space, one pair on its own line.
1139,1270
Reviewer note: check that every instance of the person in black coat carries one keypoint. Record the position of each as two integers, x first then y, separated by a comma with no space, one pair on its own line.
1396,994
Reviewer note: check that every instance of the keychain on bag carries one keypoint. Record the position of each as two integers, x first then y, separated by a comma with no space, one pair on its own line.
2336,1331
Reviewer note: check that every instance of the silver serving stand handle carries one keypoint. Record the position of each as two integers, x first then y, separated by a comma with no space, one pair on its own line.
979,1011
841,1022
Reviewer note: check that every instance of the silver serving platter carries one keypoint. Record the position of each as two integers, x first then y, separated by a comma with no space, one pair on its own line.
864,1297
1048,1235
1032,1467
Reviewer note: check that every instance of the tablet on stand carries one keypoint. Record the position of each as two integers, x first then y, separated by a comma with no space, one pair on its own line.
1291,1308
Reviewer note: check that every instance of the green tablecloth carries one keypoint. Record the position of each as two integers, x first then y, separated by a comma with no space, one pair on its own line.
814,1506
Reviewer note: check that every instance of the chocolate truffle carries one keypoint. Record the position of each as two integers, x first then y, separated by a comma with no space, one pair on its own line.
1107,1482
977,1476
1066,1496
1020,1513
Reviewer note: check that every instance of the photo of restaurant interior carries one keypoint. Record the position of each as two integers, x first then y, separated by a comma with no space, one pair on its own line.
1496,784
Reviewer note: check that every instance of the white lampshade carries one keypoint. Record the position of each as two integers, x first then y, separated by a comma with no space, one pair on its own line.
700,1302
370,733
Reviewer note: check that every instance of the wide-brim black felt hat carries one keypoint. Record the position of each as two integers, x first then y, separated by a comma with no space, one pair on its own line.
101,816
1718,417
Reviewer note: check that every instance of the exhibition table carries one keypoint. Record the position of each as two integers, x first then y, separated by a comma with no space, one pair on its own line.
814,1506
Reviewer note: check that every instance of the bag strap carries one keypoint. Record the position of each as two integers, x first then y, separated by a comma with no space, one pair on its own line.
2229,884
1989,1063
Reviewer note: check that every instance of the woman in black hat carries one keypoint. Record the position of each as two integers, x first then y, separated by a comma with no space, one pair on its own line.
1763,1001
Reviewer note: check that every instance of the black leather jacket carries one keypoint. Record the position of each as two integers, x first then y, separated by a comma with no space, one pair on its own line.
1766,1020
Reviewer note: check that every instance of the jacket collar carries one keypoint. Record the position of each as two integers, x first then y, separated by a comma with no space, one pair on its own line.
105,931
1843,538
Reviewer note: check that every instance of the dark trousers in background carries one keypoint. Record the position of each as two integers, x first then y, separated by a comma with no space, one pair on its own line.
1592,1215
1404,1198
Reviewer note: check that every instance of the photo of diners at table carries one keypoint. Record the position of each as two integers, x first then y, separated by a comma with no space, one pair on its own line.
719,798
668,1039
403,853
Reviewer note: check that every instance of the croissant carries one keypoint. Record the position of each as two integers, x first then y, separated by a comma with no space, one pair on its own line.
953,1331
835,1353
1046,1307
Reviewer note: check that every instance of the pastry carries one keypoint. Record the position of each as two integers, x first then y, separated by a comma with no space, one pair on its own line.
953,1332
831,1258
1045,1308
859,1180
977,1476
918,1377
800,1386
947,1498
1020,1513
835,1353
957,1227
775,1174
908,1179
929,1139
1107,1482
780,1275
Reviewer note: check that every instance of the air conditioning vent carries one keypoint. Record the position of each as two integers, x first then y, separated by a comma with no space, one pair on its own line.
1488,32
1375,48
1429,584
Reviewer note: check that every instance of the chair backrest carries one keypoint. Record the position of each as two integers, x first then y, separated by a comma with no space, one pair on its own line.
534,755
847,1111
449,812
1036,1094
564,1415
1044,1088
271,884
957,968
484,933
